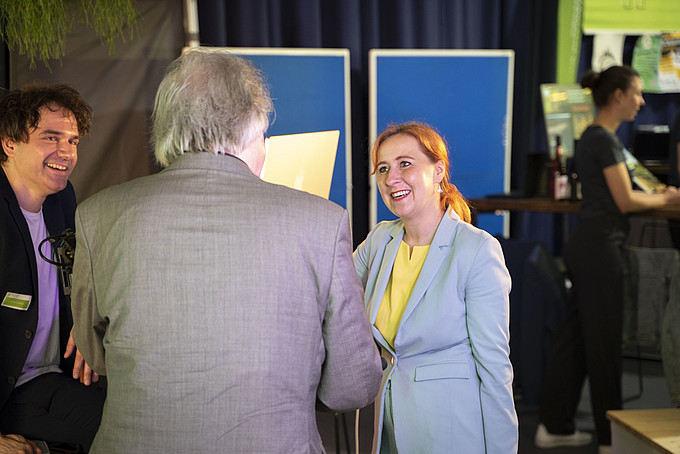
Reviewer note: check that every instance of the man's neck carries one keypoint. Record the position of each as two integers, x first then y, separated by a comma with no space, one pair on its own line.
27,200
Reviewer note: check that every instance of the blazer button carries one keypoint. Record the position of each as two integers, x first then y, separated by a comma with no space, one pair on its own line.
392,360
11,380
28,334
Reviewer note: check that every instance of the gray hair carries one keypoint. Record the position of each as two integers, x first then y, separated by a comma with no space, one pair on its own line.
209,102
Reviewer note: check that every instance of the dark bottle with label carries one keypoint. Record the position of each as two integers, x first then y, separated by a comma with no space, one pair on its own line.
559,179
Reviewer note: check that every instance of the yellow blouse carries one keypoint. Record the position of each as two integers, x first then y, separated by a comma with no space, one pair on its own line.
402,280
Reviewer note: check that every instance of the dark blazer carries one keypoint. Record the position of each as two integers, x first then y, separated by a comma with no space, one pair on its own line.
19,274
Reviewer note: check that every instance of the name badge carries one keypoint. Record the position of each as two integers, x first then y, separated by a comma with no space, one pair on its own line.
16,301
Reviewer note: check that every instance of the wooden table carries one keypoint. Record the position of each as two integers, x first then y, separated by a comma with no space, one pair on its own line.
645,431
547,205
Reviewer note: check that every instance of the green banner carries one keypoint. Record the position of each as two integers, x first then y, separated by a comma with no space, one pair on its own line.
646,57
568,40
655,57
631,16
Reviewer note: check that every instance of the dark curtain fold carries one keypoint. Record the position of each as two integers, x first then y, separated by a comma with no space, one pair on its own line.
527,27
531,32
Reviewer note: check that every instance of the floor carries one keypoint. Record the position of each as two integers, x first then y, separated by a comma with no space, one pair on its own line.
654,395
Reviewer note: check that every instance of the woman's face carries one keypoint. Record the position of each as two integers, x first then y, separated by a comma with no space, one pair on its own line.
407,178
631,100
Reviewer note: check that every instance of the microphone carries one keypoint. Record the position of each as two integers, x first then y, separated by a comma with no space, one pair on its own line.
65,247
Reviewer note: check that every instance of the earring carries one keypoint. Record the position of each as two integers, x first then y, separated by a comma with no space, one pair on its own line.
439,188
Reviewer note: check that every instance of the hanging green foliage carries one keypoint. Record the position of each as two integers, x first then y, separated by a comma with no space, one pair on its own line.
38,28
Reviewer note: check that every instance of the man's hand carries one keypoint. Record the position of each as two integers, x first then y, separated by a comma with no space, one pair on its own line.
81,370
16,444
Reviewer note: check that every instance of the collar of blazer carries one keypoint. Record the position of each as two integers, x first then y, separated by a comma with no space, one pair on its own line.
18,219
6,189
438,251
209,161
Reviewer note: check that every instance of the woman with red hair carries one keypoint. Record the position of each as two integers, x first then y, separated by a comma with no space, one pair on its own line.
437,297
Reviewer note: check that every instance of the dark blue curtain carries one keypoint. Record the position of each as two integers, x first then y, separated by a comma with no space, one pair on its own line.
526,26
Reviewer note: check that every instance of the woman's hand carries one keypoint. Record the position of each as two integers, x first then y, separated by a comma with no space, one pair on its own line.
672,195
630,200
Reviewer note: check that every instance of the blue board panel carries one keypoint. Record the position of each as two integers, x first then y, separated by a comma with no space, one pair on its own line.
309,90
467,97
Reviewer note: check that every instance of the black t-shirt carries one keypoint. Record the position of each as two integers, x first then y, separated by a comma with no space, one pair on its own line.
673,176
596,150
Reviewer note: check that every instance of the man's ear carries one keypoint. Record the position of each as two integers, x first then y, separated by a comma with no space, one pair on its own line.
8,146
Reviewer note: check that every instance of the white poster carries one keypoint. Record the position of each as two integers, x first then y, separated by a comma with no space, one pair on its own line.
607,50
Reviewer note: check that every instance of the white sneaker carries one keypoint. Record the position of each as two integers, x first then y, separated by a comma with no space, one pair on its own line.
545,439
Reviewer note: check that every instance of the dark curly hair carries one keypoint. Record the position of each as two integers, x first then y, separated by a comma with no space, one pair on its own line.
20,110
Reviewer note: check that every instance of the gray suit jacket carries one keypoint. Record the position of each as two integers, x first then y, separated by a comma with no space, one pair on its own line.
220,307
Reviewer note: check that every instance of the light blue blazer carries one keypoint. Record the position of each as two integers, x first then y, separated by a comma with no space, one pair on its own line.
450,371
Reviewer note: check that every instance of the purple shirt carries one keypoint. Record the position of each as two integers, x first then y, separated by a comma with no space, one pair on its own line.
43,357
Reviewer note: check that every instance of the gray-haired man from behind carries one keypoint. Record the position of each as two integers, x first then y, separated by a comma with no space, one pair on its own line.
220,307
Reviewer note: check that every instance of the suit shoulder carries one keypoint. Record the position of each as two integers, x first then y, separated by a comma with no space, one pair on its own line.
293,199
470,230
105,195
468,236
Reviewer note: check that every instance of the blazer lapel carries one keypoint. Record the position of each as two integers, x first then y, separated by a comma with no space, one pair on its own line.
19,220
387,262
438,251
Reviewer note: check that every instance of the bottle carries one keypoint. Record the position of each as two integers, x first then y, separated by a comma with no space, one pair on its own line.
574,182
559,179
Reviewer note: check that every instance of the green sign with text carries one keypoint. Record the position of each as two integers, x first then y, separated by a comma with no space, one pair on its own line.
631,16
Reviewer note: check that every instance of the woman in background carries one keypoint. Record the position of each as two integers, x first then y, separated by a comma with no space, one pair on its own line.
437,296
589,339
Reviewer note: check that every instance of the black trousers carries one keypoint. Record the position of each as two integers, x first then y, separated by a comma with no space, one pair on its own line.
55,408
588,342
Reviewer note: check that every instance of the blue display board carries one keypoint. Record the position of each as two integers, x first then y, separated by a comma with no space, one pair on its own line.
311,92
467,96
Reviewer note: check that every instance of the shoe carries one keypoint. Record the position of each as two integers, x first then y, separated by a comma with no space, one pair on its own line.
545,439
605,449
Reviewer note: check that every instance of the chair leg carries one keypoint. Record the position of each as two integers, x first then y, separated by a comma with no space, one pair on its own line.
344,426
639,371
336,424
338,419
